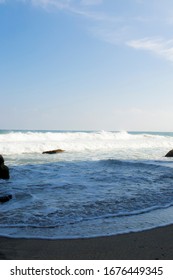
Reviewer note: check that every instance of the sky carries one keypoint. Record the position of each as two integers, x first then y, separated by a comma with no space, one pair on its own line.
86,64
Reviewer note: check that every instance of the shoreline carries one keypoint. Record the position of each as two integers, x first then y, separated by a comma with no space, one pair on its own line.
153,244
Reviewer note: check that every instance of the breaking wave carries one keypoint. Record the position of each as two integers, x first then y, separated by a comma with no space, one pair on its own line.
21,142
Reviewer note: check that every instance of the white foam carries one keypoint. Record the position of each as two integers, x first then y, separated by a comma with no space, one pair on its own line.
37,142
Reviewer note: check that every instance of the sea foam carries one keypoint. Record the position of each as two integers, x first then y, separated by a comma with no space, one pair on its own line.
36,142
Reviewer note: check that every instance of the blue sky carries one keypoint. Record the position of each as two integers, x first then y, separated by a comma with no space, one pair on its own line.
86,64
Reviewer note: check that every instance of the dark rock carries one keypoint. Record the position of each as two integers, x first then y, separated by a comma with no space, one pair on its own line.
53,151
5,198
4,171
169,154
1,160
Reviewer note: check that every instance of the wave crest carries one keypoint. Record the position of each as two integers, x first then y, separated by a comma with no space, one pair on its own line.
37,141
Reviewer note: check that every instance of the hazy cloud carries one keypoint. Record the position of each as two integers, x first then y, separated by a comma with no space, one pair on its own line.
91,2
66,4
118,28
59,4
158,46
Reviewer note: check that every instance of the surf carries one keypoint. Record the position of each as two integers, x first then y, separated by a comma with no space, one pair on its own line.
35,142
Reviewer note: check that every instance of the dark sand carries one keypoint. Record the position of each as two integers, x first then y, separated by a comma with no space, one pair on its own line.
155,244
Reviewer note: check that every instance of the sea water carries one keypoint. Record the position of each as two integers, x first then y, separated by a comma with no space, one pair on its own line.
104,183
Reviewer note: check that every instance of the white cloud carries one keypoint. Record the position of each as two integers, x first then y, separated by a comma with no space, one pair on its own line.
80,8
113,29
83,8
158,46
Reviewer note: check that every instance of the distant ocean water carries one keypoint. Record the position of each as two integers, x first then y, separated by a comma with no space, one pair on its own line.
104,183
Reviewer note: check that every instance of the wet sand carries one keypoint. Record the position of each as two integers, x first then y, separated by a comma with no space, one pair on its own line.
146,245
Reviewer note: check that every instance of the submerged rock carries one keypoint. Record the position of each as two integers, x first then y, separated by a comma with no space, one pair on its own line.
169,154
4,170
5,198
53,151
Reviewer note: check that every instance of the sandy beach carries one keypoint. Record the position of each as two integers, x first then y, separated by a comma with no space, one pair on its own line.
155,244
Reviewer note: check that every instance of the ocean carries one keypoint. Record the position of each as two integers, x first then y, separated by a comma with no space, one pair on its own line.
104,183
